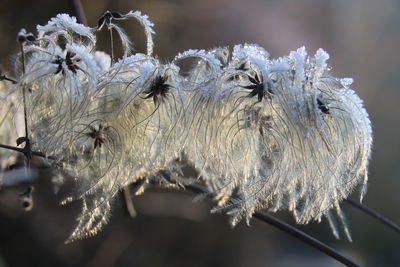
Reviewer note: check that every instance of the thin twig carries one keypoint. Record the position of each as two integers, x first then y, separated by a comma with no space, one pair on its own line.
27,149
128,202
18,149
111,44
5,78
23,151
374,214
315,243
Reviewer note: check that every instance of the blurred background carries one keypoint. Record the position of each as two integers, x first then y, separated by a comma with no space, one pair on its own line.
363,39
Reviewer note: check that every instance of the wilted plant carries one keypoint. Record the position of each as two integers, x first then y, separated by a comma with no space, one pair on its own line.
282,134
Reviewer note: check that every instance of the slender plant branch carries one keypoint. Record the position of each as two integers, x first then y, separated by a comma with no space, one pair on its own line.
5,78
111,45
130,208
27,148
18,149
23,151
315,243
374,214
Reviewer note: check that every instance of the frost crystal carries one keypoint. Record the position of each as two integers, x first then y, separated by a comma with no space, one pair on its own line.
281,134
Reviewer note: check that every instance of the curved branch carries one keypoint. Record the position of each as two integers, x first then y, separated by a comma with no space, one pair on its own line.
374,214
315,243
309,240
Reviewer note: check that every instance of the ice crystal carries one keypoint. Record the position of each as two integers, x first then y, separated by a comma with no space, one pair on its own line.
281,134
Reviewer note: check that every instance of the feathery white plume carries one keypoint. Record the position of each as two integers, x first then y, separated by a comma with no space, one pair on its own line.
281,134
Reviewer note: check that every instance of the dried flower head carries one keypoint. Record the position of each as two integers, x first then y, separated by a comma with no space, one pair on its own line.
281,134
